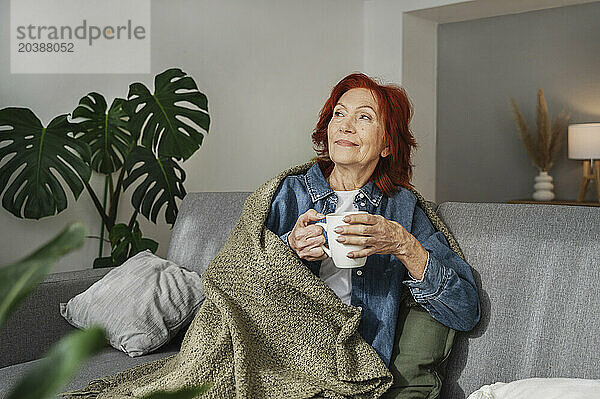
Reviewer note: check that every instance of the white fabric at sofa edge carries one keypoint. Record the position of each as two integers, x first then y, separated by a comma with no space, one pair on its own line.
540,388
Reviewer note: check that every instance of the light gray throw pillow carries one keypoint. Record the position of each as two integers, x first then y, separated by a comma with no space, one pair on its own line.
142,304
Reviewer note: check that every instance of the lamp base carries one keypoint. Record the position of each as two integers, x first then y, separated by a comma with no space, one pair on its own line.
587,176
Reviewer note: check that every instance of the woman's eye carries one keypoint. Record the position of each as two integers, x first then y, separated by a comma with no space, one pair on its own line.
338,113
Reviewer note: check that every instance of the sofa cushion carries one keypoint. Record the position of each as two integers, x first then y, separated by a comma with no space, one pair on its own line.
141,304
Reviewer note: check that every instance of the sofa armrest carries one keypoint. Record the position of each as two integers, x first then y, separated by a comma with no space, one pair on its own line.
37,323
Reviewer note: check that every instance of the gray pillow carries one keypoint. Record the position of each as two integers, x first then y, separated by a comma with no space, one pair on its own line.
141,304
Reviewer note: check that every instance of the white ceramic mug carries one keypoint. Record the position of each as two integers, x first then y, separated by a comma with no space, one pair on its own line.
338,251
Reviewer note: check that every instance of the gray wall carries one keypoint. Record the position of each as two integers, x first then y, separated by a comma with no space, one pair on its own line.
481,63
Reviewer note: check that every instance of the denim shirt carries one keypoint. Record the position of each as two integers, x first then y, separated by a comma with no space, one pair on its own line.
447,289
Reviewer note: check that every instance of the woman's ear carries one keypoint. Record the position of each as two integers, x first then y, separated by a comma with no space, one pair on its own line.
385,152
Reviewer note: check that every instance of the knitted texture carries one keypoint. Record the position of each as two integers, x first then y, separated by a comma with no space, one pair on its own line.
268,328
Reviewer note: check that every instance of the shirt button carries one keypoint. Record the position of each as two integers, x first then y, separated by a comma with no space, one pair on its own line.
362,204
359,272
361,195
359,308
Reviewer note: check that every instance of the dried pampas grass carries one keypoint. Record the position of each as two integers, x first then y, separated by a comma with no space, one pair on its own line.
549,137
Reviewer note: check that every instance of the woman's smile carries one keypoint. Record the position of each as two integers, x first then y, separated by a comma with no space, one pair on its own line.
346,143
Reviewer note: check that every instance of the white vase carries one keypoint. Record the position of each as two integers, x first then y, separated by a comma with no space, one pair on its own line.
543,187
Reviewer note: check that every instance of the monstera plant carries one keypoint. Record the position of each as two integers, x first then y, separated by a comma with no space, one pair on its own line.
143,136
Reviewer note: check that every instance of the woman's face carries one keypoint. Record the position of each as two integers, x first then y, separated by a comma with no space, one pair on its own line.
355,131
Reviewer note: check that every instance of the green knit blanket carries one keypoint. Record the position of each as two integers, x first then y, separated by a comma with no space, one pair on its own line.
268,327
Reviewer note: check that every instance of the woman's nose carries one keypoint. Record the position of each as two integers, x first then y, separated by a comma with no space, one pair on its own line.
347,125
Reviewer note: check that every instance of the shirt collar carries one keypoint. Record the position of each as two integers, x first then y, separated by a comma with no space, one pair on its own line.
319,188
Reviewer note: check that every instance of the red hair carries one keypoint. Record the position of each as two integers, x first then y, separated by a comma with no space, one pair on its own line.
395,111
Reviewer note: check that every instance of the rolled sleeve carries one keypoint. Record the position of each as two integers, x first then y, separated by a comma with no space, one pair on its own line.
432,282
447,289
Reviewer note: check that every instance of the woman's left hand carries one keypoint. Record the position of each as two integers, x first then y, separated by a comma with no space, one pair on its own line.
382,236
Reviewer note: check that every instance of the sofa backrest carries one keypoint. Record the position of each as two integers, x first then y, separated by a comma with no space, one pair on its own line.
203,224
538,272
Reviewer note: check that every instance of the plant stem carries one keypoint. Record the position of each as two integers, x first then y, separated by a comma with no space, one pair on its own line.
100,238
110,187
98,206
133,217
112,211
102,224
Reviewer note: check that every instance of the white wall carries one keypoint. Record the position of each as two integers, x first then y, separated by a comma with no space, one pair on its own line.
266,67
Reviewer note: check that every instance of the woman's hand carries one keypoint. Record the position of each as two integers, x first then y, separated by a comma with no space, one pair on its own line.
383,236
306,239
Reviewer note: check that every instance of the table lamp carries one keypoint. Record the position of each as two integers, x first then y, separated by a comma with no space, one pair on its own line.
584,143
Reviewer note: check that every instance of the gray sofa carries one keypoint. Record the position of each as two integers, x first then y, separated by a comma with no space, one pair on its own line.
537,268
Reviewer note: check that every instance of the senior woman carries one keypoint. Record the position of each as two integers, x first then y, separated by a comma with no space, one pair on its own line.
241,339
364,146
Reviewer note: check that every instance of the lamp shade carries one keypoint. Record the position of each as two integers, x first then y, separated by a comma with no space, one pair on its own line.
584,141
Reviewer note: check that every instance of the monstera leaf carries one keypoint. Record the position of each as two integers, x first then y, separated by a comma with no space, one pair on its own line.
170,120
106,132
161,174
127,242
41,152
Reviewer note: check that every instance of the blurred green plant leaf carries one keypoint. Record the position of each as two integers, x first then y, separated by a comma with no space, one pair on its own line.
171,120
57,367
19,279
106,132
184,393
162,174
35,191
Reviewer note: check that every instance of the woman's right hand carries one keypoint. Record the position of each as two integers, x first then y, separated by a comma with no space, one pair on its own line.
306,239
